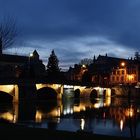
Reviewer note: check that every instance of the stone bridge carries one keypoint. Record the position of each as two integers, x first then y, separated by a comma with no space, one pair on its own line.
28,91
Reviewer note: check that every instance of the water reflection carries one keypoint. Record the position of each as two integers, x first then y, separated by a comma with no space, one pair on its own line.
111,116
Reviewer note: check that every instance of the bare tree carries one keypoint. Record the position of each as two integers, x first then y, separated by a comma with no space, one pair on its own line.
86,61
8,32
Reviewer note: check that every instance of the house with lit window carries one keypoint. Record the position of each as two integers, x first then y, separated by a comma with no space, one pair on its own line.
127,72
107,70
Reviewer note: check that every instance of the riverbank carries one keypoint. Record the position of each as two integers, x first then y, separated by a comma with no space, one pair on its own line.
10,131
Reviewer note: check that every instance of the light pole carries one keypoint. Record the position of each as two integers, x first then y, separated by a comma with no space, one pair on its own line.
29,63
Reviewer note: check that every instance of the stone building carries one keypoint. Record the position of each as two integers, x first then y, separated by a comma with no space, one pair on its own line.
107,70
15,66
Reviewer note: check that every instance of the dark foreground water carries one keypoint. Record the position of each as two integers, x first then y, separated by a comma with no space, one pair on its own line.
110,116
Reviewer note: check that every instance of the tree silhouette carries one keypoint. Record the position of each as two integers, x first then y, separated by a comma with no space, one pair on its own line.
52,66
8,32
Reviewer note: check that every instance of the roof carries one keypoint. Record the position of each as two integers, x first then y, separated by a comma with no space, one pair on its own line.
112,60
13,58
35,53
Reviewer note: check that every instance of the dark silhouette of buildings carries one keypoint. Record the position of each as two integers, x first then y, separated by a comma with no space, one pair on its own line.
15,66
107,70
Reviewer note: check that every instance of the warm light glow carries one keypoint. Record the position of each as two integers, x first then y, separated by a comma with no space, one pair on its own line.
108,92
82,125
123,64
7,88
97,88
56,86
79,108
107,101
14,118
7,116
121,125
83,66
69,86
68,111
31,55
129,112
96,105
130,77
38,116
38,86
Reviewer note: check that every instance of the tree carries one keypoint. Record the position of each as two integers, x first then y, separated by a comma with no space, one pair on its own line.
137,56
8,33
86,61
52,66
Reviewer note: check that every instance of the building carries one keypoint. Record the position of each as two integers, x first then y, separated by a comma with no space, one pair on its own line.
107,70
127,72
15,66
76,73
110,70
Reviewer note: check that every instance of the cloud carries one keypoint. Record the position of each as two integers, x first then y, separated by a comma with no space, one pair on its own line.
77,28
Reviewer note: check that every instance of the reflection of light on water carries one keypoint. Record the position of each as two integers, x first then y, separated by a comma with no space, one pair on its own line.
7,116
121,125
104,115
54,113
14,118
129,112
38,116
108,92
79,108
99,104
82,125
107,101
68,111
96,105
71,111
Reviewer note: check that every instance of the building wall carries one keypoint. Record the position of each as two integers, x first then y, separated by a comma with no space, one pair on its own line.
124,75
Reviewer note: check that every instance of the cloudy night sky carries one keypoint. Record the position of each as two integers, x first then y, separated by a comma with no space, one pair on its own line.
75,29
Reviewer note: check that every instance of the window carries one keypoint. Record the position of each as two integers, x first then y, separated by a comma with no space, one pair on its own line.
122,79
113,78
117,78
123,72
114,72
118,72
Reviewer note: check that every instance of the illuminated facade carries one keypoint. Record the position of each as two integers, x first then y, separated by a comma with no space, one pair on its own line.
107,70
126,73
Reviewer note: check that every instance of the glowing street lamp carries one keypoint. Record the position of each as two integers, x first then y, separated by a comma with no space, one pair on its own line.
122,64
31,55
29,63
83,66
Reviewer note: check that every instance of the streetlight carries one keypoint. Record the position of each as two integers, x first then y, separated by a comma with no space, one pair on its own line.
122,64
29,68
31,55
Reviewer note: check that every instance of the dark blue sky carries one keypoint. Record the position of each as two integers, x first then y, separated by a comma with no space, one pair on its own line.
75,29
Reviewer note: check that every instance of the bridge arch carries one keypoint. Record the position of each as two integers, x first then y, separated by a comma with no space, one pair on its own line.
46,93
5,97
93,94
77,93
